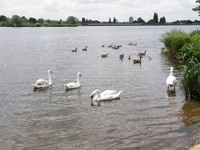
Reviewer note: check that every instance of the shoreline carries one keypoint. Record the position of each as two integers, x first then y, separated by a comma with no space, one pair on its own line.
135,24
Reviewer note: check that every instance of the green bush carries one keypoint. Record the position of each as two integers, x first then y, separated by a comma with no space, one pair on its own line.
174,40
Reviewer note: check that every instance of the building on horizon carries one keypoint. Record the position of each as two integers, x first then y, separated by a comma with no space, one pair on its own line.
131,19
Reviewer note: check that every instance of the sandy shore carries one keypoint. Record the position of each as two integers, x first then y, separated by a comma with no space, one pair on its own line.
196,147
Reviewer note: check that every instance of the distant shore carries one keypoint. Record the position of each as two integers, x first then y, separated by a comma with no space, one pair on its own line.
135,24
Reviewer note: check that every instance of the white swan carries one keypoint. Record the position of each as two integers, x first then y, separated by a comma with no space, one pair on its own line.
97,96
73,85
171,80
42,83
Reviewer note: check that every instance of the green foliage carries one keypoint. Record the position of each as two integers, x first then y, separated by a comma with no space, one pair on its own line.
186,46
174,40
155,18
164,51
191,80
195,36
114,20
140,20
16,21
3,18
162,20
189,51
32,20
72,21
197,8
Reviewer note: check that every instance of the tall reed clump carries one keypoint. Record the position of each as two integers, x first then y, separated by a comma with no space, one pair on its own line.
174,40
191,59
186,47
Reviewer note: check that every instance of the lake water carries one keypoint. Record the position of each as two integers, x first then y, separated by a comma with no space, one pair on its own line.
144,118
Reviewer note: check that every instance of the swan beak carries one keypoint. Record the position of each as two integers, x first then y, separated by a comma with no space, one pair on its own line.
92,97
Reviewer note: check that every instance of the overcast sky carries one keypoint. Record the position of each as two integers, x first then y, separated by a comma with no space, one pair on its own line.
101,10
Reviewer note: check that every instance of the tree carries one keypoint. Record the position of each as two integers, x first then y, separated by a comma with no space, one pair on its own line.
16,21
151,21
40,20
109,20
72,20
155,18
83,20
24,21
162,20
197,8
114,20
3,18
140,20
32,20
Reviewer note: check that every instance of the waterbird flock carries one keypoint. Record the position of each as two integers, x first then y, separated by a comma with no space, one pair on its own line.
97,96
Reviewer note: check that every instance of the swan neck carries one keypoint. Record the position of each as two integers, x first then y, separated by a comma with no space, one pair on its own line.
97,92
78,77
50,80
171,71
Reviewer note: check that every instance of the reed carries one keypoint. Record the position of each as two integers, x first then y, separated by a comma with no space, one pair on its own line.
187,47
191,69
191,79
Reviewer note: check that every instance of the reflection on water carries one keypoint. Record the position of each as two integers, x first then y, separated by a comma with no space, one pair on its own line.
171,93
145,117
191,110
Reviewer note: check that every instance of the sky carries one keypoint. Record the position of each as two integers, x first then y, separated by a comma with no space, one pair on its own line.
101,10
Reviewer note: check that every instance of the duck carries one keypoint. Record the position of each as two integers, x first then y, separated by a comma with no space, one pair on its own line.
97,96
73,85
129,57
110,46
142,54
85,49
104,55
42,83
136,61
171,80
133,44
121,56
74,50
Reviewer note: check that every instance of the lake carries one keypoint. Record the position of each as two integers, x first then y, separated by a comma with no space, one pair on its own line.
145,117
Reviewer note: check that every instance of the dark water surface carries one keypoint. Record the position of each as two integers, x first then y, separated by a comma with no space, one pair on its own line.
144,118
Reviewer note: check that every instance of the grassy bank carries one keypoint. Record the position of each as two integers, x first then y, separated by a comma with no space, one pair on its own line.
186,47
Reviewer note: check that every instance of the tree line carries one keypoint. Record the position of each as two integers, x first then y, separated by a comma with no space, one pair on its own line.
17,21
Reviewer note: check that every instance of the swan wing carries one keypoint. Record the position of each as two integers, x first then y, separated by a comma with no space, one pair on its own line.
109,95
72,85
171,80
108,92
40,86
42,82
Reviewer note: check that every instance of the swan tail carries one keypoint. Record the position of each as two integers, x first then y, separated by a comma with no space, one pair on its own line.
119,92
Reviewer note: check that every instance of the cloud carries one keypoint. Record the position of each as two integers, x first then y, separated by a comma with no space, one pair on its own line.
50,6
